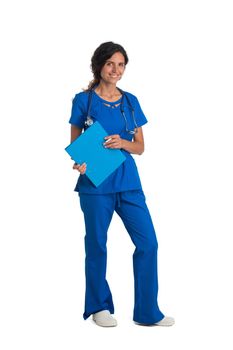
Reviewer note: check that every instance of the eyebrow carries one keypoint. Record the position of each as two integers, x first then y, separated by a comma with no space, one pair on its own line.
114,62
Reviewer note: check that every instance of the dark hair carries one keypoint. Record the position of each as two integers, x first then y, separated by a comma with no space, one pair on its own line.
99,58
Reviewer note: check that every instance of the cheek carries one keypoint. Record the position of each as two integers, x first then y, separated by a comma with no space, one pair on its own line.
122,71
104,71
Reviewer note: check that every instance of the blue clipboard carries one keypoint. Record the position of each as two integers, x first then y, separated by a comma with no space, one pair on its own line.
88,148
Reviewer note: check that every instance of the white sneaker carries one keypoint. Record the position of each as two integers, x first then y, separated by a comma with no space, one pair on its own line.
104,319
166,322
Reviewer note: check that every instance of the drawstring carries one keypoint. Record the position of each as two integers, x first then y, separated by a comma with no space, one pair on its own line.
118,199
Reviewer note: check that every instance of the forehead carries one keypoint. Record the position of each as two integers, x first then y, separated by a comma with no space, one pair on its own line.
116,57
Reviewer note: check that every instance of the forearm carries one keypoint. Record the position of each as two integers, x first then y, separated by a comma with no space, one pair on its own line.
134,147
75,132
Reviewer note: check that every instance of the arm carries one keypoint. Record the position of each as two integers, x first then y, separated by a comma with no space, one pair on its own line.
76,132
136,146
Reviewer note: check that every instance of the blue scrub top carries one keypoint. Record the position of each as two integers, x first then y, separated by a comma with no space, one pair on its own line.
109,115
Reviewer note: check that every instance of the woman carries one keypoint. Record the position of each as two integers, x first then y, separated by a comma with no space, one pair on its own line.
121,116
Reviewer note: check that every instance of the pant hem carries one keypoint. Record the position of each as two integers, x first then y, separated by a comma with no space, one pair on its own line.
148,322
87,315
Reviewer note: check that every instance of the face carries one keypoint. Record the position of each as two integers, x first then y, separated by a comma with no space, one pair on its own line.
113,68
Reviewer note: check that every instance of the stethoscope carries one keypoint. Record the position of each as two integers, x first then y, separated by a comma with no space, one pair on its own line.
89,120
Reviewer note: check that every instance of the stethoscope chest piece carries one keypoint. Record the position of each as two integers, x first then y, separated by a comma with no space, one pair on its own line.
89,121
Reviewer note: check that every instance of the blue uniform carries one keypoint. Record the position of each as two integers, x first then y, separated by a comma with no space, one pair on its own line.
120,192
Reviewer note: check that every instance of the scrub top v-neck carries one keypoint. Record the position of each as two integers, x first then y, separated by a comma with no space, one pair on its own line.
109,115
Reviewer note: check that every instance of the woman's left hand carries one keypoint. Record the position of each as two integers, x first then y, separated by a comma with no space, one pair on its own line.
114,142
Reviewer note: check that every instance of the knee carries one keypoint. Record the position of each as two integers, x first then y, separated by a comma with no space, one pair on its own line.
95,247
149,245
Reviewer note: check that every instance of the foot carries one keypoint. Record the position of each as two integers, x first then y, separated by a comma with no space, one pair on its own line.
166,322
104,319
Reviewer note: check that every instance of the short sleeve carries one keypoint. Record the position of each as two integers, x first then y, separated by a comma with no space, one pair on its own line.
78,111
139,115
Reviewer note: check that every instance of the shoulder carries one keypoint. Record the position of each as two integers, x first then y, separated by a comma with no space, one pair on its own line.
130,95
81,96
133,98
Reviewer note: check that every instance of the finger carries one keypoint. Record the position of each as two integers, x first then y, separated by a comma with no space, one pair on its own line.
79,167
107,141
109,144
113,145
115,136
76,166
83,169
108,137
110,140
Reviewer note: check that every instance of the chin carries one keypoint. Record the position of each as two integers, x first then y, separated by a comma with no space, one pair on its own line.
115,79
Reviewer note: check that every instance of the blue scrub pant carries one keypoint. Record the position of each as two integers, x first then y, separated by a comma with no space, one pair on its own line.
131,207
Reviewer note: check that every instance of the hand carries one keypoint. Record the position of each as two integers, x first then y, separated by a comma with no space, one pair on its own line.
115,142
81,168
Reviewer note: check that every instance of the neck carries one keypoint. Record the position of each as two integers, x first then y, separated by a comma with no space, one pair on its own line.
105,89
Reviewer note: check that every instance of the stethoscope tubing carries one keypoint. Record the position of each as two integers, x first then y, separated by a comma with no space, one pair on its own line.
124,95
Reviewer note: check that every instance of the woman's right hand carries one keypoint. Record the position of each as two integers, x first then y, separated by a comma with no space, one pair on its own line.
81,168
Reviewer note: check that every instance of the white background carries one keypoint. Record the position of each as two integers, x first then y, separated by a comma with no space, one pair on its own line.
180,69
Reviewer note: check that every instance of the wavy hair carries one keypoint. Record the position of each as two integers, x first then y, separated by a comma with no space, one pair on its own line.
99,58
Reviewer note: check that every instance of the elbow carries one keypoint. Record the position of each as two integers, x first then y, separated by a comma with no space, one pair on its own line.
141,151
140,148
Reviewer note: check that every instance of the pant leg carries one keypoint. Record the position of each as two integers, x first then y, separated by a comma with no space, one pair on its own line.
137,220
98,211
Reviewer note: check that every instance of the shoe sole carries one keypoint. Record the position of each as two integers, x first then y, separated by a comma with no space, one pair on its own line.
154,324
105,326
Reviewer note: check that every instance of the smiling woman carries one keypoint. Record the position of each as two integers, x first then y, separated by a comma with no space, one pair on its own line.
120,114
113,69
109,61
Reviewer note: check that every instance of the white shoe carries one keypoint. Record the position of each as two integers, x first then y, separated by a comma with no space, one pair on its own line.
166,322
104,319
